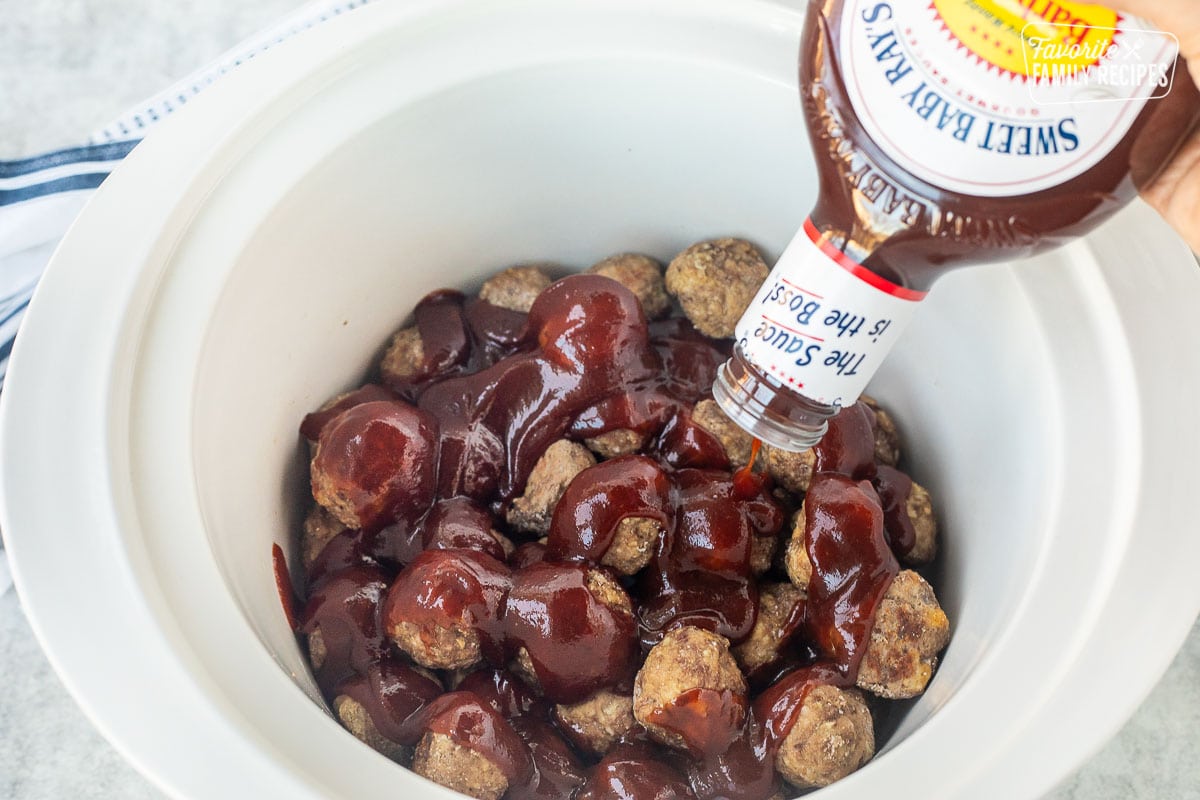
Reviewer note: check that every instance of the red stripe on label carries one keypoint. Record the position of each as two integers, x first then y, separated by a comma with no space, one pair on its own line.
858,270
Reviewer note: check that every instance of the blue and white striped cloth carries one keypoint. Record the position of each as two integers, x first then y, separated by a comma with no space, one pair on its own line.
40,196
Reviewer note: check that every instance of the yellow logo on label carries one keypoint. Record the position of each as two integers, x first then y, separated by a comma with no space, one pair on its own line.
997,32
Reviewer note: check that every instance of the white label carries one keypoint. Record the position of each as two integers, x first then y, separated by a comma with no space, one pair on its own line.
998,98
822,324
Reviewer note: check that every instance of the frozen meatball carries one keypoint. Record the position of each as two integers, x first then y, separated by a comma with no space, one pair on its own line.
616,443
762,553
709,416
777,607
319,527
833,736
920,512
594,725
795,560
792,471
438,605
641,275
316,649
442,760
515,288
522,667
562,461
910,631
404,358
633,545
690,693
715,282
887,437
355,719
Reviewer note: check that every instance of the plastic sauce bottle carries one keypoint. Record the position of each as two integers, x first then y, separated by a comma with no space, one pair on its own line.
946,133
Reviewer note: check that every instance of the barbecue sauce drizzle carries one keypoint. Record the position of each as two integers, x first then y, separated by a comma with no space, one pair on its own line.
503,387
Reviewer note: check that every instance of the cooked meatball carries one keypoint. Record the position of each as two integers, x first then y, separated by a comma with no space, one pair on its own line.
316,649
562,461
792,471
833,736
737,443
404,357
910,631
442,760
633,545
795,559
690,693
594,725
522,667
640,274
355,719
605,589
920,511
887,437
776,604
515,288
374,462
616,443
715,282
438,605
319,527
762,553
454,646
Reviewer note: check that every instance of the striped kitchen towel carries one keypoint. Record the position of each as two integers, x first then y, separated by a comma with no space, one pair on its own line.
40,196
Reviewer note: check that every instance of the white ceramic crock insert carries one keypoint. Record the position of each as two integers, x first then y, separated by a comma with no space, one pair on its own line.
249,259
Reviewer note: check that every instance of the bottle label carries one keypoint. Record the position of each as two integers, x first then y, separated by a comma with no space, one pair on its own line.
822,323
997,98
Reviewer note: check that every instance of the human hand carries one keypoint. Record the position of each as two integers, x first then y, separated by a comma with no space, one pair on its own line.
1175,191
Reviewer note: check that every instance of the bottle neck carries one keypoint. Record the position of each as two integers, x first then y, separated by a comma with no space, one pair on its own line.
809,342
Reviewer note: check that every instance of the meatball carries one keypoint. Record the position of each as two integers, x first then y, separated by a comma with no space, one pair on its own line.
910,631
562,461
715,282
622,442
574,630
777,605
319,527
795,559
737,443
920,512
833,736
792,471
595,724
887,437
438,605
641,275
375,462
451,647
515,288
690,693
762,553
317,651
442,760
404,358
633,545
355,719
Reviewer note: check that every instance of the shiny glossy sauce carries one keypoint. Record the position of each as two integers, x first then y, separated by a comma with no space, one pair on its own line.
496,388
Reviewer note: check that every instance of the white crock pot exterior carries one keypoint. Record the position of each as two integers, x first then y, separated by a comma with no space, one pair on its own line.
248,259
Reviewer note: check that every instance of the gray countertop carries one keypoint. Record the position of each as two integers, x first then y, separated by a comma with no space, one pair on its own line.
67,67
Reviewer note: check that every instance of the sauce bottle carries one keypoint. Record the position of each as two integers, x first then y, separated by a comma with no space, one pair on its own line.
946,133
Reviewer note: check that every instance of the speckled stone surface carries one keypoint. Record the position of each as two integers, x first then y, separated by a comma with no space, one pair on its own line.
67,67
